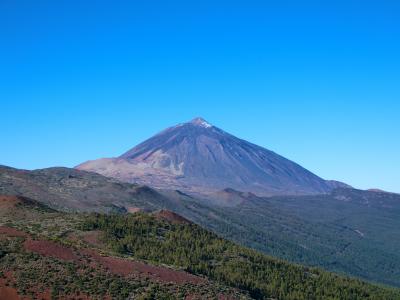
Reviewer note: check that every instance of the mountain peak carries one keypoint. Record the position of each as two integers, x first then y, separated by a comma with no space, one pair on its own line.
200,122
198,158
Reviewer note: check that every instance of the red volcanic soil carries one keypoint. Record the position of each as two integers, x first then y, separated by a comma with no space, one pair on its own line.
7,292
126,267
115,265
170,216
10,293
47,248
9,231
8,201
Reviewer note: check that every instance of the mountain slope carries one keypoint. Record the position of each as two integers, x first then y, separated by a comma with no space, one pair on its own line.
45,254
70,189
54,255
200,158
348,231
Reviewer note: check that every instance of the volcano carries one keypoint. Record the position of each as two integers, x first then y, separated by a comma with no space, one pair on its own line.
197,157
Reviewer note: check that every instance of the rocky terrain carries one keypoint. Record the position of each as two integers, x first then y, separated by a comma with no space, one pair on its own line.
70,189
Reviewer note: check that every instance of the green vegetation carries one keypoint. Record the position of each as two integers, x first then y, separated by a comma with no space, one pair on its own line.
350,232
229,269
34,274
201,252
347,232
358,236
39,273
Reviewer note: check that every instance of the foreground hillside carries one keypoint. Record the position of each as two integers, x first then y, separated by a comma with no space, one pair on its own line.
348,231
45,253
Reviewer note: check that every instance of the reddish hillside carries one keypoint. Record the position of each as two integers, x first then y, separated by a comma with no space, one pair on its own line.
47,248
9,201
127,268
170,216
115,265
7,292
11,232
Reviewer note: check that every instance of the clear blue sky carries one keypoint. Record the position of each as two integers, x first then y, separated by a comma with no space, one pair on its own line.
316,82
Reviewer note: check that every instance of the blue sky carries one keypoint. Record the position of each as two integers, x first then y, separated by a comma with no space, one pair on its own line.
316,82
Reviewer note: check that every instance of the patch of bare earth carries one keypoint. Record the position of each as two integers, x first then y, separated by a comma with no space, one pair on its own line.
8,201
7,292
12,232
115,265
47,248
126,268
170,216
10,293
